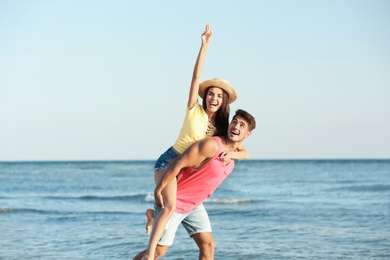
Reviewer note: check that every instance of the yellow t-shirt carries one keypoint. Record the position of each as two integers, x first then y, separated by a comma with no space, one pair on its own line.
194,128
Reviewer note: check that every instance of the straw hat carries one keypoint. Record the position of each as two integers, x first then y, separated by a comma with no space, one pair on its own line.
219,83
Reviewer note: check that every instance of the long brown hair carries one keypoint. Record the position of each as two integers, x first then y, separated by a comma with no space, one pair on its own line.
222,115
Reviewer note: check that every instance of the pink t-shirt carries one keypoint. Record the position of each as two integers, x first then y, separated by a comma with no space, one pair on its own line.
194,186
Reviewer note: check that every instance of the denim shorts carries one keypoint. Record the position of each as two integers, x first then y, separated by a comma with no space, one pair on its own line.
196,221
165,159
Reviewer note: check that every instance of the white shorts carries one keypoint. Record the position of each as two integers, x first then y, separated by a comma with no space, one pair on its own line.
195,221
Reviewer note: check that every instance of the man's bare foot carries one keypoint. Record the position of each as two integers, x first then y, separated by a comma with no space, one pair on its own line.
149,221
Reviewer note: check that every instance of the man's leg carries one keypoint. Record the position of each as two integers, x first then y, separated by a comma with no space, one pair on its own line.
160,252
206,245
139,255
198,226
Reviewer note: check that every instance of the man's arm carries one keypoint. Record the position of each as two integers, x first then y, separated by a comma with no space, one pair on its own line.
194,156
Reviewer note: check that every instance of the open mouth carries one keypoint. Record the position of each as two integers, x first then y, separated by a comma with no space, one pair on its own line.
213,104
234,133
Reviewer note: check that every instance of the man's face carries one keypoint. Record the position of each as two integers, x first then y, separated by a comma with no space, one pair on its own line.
238,129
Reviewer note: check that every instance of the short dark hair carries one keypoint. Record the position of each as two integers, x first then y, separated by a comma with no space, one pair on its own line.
248,117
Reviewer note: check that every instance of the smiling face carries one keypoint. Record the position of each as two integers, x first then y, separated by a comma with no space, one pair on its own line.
214,99
239,129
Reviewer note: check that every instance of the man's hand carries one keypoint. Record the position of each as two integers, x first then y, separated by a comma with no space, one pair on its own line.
158,198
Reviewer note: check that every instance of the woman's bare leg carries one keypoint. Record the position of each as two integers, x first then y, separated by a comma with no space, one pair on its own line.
169,197
150,212
149,220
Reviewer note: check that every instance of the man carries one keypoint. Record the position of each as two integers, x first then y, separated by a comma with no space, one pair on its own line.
199,172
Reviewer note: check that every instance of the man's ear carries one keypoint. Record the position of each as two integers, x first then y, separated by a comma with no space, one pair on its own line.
248,134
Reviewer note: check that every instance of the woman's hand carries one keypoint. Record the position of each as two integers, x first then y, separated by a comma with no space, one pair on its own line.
207,35
225,157
158,198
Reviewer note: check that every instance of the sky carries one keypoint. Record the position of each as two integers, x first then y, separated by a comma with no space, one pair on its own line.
109,80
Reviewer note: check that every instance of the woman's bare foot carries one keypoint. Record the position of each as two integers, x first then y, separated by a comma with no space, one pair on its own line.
149,221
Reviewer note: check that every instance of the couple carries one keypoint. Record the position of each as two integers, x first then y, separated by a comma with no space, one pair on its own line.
187,176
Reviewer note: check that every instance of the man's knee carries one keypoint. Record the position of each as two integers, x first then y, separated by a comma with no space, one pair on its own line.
205,242
208,245
206,250
160,251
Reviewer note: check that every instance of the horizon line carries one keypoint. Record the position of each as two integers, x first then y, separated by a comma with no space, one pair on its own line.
152,160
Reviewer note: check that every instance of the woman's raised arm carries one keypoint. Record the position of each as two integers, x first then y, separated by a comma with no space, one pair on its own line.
194,88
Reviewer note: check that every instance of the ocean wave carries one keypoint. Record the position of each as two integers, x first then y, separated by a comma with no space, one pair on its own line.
231,201
149,197
140,197
20,210
366,188
62,214
120,197
100,197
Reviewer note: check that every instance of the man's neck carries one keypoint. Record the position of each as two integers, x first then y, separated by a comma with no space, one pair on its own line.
229,145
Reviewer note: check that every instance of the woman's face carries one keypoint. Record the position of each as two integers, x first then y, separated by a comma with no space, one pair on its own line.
214,99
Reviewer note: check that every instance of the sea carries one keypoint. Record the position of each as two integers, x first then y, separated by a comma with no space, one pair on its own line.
266,209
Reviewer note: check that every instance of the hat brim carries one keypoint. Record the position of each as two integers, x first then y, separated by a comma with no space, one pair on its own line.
218,83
